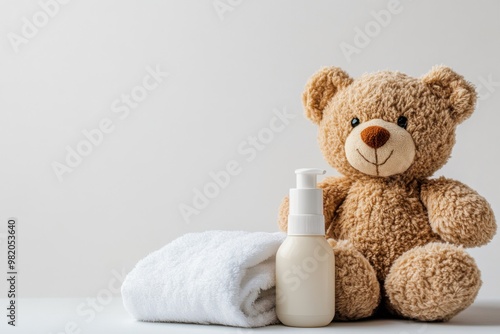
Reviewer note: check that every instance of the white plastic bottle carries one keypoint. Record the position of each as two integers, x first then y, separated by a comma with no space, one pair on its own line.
305,264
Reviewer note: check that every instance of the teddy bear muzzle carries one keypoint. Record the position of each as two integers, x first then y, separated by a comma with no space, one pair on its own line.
380,148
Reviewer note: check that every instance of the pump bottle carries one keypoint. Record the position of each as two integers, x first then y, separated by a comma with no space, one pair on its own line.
305,264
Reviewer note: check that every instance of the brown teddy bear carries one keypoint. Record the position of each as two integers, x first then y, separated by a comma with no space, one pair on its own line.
398,236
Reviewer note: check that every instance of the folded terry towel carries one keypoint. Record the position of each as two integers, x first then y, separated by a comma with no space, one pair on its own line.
214,277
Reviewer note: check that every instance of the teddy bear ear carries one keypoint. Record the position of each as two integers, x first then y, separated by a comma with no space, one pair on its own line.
320,89
447,84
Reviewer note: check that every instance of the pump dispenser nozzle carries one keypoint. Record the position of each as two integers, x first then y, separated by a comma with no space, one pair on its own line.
306,177
306,204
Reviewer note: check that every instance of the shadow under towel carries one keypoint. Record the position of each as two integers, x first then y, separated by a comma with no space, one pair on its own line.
213,277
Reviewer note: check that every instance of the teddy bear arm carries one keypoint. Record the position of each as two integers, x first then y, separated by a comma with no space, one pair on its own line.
283,215
457,213
334,192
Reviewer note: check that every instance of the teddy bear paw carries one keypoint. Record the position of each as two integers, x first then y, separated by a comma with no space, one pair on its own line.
357,291
432,282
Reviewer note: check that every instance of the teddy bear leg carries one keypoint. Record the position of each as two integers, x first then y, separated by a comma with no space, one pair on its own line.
432,282
357,290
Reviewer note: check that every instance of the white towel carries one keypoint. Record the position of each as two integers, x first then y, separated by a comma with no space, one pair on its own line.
213,277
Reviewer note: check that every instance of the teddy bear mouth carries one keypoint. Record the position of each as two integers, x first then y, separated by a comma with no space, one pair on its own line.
376,163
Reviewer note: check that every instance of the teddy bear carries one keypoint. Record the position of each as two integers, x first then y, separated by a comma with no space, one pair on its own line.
398,235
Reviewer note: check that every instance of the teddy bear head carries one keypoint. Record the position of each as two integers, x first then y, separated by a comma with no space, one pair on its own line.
388,124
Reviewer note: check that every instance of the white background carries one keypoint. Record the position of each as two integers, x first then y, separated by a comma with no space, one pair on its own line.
226,78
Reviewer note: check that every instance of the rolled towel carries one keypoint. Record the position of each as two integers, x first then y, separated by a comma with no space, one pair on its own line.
213,277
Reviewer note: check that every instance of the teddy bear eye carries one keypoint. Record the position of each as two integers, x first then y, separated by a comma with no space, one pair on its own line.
402,122
355,122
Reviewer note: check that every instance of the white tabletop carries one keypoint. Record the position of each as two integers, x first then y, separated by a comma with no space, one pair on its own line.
69,315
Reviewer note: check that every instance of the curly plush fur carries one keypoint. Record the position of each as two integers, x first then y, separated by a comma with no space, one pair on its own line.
400,236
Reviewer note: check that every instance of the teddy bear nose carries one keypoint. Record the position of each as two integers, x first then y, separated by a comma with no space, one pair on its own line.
375,136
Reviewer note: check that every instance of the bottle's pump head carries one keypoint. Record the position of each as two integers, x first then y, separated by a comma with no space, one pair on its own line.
306,204
306,177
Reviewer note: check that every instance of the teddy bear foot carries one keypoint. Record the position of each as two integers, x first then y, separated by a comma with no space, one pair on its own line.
432,282
357,290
